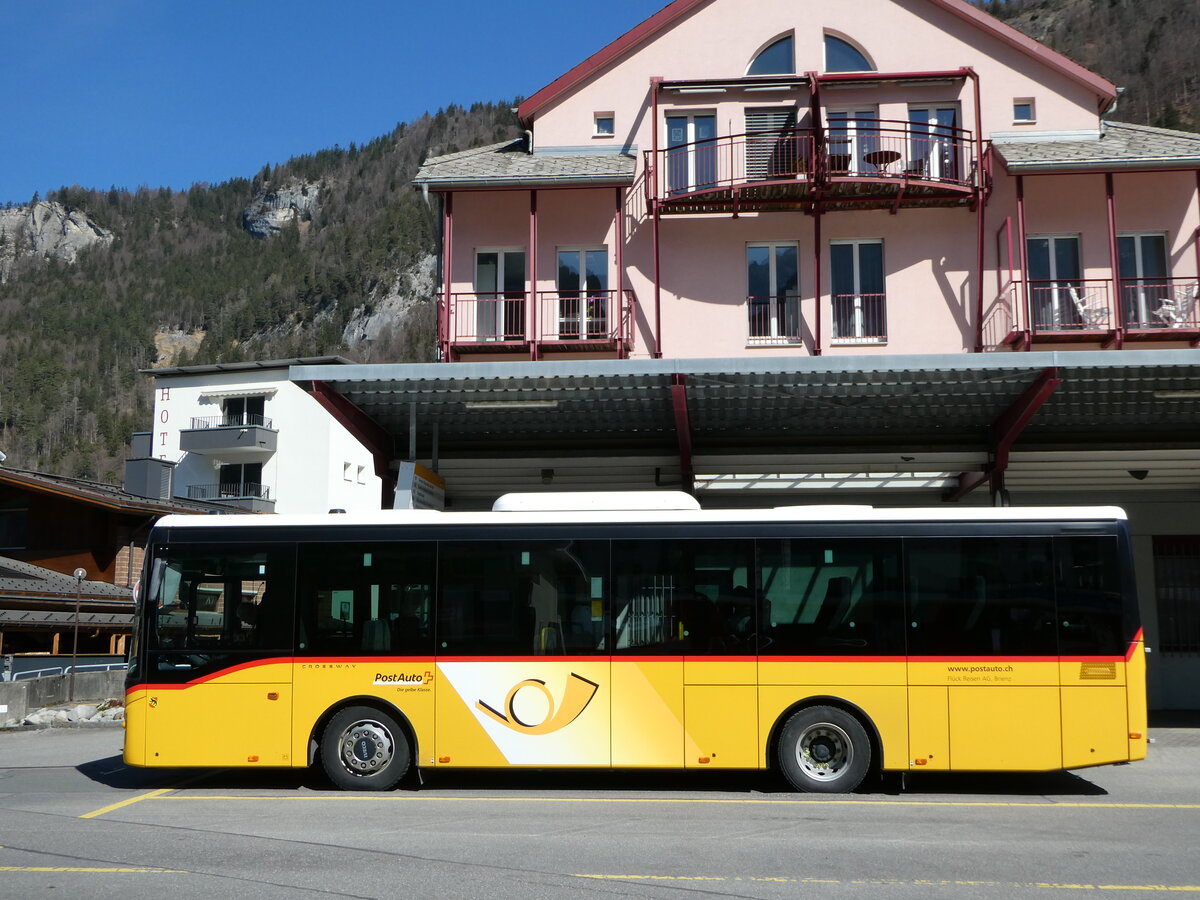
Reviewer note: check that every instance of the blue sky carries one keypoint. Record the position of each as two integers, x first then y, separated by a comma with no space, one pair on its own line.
171,92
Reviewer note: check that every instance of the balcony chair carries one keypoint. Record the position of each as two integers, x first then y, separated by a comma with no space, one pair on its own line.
1091,310
1179,311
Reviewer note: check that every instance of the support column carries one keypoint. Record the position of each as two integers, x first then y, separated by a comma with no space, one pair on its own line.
1114,259
619,311
817,276
652,173
1024,247
980,229
447,270
683,432
657,285
532,323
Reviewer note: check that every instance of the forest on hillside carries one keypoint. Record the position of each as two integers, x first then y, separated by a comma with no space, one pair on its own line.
1148,47
73,336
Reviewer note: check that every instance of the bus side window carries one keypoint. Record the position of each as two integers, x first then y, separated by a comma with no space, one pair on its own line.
1088,588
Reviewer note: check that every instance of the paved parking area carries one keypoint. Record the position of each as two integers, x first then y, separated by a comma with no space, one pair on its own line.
75,822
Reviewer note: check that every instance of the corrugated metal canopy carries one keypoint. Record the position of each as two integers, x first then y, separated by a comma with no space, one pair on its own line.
1123,398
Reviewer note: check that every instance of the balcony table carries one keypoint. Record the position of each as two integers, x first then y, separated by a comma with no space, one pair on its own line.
881,159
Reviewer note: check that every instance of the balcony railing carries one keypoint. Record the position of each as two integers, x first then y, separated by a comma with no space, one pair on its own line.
859,318
1091,309
235,420
774,320
870,149
565,319
229,490
488,318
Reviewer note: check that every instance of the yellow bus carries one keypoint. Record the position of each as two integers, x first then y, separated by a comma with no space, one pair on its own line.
639,631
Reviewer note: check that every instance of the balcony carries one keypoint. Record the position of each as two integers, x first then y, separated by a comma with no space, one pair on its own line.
864,164
230,437
240,495
1089,310
591,321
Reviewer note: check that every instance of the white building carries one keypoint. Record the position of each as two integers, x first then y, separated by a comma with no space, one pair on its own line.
244,435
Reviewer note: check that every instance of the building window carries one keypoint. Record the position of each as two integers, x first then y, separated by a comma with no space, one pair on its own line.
777,58
1024,111
691,152
604,125
853,141
1177,591
1056,293
242,411
772,293
1148,296
773,149
499,302
583,295
842,56
935,142
857,289
347,471
242,480
14,525
362,475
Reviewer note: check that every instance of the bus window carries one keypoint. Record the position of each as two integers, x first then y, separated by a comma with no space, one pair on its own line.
980,597
366,599
214,602
676,597
1088,588
830,596
516,598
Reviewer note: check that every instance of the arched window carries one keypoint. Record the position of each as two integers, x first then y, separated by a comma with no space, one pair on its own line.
777,58
842,56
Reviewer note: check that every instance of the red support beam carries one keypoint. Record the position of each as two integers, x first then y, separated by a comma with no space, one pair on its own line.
1024,248
1110,201
683,431
374,437
447,272
1004,433
532,324
655,84
817,277
619,296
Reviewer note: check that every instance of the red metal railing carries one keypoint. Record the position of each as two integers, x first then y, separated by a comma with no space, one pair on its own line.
488,318
864,148
577,316
774,320
859,318
1138,307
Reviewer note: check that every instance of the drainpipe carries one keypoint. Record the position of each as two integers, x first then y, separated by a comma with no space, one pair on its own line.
533,276
1114,258
655,81
1021,241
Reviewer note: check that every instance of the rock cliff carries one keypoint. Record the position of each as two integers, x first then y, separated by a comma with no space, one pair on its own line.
271,210
48,230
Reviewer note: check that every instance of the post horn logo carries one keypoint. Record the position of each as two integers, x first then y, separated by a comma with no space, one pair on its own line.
576,697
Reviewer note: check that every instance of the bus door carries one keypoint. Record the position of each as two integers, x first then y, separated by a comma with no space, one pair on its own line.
523,674
219,663
719,628
983,666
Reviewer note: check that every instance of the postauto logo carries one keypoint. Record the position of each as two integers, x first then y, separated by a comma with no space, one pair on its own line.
403,678
576,696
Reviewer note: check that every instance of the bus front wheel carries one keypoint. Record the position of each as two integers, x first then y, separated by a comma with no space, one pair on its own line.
364,749
823,749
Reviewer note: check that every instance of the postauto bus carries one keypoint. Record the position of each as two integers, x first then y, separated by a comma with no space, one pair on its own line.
636,630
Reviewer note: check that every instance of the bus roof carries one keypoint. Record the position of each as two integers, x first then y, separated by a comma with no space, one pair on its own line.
602,514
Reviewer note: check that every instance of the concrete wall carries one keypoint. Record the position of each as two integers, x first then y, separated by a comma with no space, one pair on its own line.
19,698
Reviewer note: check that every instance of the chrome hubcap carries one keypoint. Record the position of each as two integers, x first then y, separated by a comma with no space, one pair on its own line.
366,748
824,752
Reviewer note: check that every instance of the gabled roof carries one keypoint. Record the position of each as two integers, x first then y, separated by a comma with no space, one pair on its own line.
94,493
1117,146
25,579
668,15
508,164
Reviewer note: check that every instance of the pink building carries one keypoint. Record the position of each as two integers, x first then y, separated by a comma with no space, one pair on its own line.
762,179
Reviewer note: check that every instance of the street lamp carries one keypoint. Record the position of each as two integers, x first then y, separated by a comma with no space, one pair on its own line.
80,574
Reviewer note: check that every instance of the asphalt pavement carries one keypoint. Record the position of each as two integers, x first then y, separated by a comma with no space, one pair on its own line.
76,822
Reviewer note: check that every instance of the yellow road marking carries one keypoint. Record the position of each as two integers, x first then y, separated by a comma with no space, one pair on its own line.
922,882
404,798
93,870
129,802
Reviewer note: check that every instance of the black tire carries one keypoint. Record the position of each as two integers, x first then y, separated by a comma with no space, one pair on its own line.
824,750
364,749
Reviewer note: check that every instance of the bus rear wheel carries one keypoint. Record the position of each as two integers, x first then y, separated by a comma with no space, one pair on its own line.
823,749
364,749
